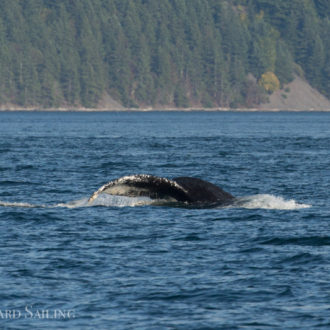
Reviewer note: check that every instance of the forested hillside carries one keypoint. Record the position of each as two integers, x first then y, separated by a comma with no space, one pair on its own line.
178,53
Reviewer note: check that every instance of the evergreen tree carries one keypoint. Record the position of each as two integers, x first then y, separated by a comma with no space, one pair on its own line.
169,52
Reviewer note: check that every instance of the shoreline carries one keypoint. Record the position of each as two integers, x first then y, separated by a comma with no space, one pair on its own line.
149,109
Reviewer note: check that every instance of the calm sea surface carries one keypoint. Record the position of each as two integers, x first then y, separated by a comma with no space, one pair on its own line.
121,265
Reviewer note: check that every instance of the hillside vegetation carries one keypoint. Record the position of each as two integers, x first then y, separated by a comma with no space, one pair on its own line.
179,53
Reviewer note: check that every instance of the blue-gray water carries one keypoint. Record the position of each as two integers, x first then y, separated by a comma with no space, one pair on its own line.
120,265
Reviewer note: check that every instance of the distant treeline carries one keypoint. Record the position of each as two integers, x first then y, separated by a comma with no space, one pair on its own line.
210,53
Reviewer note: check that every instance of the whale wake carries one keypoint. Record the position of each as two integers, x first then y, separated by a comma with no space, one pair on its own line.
261,201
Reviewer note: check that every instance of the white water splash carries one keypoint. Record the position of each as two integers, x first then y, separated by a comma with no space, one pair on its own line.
74,204
262,201
108,201
16,204
120,201
101,200
269,202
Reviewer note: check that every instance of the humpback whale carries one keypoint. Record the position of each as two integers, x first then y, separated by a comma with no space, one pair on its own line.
184,190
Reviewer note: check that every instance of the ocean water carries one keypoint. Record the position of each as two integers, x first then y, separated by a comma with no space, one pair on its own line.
123,263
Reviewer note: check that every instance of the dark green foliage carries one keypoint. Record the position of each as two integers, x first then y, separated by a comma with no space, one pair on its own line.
323,7
283,63
305,31
147,52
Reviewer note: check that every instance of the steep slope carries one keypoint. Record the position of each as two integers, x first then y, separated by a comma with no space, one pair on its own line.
297,95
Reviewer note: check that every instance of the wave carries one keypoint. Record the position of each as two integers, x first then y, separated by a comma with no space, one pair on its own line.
101,200
269,202
262,201
16,204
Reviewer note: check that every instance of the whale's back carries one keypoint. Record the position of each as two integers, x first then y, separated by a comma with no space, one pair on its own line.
201,191
192,191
